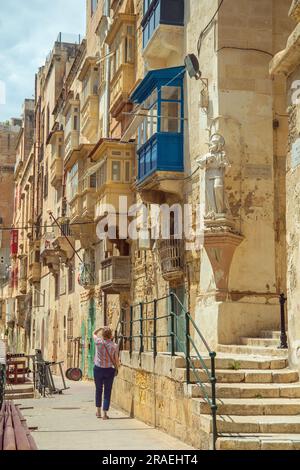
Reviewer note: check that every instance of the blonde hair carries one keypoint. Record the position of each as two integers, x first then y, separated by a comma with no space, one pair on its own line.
107,333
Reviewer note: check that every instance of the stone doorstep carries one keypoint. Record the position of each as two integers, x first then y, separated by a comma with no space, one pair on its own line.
247,390
228,361
259,442
265,342
250,406
247,376
252,424
270,334
252,350
17,396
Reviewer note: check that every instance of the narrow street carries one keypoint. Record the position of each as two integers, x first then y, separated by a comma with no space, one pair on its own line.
68,422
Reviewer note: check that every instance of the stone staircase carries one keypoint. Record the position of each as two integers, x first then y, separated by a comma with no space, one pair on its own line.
258,396
19,392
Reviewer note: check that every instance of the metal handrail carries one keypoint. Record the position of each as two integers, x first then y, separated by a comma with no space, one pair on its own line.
124,337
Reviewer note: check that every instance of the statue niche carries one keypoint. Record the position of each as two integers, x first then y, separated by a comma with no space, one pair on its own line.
215,164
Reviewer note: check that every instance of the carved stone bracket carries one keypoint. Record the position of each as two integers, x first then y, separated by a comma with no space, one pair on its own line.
220,247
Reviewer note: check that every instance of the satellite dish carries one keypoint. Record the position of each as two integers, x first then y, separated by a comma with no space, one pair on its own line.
192,66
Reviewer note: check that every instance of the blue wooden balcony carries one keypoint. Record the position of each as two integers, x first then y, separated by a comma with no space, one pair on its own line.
161,133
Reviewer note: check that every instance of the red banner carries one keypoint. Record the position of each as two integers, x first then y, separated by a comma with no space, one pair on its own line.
14,242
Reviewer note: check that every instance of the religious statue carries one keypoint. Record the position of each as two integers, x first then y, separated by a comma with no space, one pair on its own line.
215,163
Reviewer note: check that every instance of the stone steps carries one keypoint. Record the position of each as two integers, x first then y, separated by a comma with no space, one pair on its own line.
232,362
252,424
259,442
270,334
264,342
21,396
249,406
237,376
248,390
238,349
19,392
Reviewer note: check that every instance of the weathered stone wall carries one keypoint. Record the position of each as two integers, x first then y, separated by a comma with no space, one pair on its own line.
148,390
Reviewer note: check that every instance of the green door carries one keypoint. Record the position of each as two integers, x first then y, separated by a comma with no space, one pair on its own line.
83,347
180,309
91,344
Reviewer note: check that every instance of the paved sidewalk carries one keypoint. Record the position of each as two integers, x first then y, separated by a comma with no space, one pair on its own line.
68,422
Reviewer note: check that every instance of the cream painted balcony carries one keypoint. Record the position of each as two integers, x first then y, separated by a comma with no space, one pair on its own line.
114,176
116,274
56,164
71,143
88,199
90,118
56,172
122,42
72,126
121,85
34,273
75,207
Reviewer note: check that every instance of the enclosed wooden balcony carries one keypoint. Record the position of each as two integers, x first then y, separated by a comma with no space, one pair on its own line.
56,164
171,253
88,198
89,76
90,117
114,176
71,143
34,273
56,172
116,274
121,86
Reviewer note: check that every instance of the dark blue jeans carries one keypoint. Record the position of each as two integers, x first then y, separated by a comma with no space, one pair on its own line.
104,377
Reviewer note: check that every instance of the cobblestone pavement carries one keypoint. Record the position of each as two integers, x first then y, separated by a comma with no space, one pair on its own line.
68,422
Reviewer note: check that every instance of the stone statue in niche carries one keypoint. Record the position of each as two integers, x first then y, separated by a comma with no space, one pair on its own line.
215,163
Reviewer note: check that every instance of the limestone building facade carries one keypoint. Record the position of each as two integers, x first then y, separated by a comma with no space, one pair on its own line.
126,115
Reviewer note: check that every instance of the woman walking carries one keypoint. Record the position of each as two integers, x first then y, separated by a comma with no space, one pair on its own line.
106,366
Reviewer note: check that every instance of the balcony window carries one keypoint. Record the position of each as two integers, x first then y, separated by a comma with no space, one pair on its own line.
101,177
124,48
73,181
94,4
156,12
116,170
160,134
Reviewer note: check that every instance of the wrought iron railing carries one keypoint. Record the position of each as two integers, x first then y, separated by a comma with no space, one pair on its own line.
137,330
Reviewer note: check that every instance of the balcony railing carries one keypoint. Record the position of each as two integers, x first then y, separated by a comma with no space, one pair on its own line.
171,258
115,274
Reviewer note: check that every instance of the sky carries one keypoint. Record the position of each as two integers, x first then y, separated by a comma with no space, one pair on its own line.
28,30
